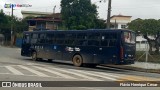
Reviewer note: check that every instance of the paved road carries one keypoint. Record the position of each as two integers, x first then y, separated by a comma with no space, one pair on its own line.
13,67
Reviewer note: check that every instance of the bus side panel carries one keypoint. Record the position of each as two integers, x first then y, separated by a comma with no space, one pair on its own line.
51,52
110,55
25,51
68,56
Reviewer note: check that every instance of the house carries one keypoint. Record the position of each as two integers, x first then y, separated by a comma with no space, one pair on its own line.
120,21
47,22
42,20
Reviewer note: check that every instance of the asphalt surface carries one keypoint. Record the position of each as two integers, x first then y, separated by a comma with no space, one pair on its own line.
14,67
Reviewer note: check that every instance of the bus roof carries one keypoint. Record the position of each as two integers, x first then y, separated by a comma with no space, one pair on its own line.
88,30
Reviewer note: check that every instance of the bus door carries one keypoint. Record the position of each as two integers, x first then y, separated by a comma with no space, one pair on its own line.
43,47
59,46
109,47
25,51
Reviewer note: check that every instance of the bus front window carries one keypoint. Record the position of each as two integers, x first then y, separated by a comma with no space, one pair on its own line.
129,37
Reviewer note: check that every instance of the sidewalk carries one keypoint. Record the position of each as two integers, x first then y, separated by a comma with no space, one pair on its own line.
140,66
145,65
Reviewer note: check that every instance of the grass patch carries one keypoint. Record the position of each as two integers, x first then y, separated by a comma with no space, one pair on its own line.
151,58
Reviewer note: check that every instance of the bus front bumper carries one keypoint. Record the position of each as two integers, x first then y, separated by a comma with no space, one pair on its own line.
127,61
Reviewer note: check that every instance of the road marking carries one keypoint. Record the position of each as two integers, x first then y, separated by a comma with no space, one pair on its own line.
13,70
91,73
77,74
5,73
108,74
54,72
89,88
138,78
34,71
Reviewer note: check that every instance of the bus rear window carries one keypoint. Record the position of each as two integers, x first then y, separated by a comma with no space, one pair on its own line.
129,37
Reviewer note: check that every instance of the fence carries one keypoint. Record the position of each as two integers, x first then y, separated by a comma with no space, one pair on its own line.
18,42
143,55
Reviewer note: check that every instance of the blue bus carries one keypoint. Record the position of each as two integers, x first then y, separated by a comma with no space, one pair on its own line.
82,47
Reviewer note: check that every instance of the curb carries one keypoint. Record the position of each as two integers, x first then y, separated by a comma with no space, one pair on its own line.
134,68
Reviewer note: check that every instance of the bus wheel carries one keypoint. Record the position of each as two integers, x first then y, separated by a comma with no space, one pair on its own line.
34,56
90,65
49,60
77,60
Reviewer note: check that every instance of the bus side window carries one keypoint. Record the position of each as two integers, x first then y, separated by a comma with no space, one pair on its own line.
112,43
81,39
26,39
41,38
105,39
34,38
70,39
105,43
60,38
113,39
50,39
82,36
93,42
109,39
81,42
93,39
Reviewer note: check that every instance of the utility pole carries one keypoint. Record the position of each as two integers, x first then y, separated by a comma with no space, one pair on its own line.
115,24
54,11
109,14
12,27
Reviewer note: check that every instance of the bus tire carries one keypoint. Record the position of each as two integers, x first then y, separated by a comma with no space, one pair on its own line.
49,60
34,56
90,65
77,60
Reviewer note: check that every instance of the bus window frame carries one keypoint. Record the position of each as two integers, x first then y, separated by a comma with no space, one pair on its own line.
26,40
50,40
97,36
71,38
57,39
109,39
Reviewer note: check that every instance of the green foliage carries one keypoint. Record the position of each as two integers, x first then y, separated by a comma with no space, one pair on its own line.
78,14
150,26
100,24
5,25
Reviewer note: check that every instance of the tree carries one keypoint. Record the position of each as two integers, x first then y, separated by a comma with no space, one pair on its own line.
100,24
148,27
19,25
78,14
5,25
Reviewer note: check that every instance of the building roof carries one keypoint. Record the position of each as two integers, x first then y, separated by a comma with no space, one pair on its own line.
43,19
35,12
49,17
120,16
55,15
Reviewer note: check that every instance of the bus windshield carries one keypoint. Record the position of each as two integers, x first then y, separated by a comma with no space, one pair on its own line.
129,37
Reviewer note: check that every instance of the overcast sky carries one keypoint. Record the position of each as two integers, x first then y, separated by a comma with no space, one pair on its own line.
136,8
